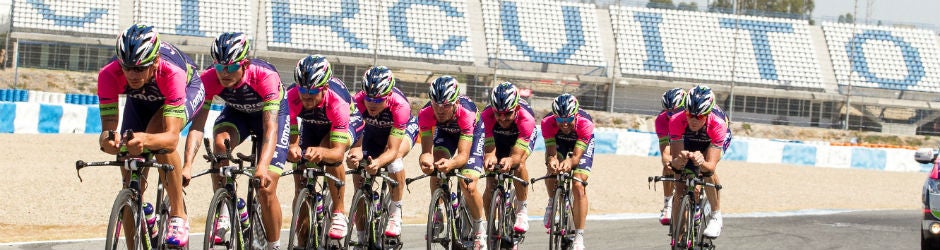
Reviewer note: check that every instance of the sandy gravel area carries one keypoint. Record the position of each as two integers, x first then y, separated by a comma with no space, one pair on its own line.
41,197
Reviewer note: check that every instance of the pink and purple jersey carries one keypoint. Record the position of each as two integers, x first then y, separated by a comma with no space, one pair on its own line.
462,125
259,90
715,132
173,86
662,125
519,134
580,136
334,114
392,120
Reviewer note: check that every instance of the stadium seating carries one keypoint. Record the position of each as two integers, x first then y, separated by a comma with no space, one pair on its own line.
702,45
542,31
884,57
204,18
422,29
99,17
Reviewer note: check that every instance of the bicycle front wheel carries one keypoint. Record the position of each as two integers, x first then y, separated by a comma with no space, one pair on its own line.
222,228
360,233
496,229
558,224
256,232
124,232
303,229
682,232
438,235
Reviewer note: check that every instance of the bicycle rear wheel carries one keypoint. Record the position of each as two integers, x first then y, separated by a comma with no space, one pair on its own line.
438,234
360,222
464,226
557,222
496,230
303,228
216,236
125,202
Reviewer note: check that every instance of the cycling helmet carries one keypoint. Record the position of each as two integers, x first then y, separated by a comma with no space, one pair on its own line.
673,98
378,81
444,90
505,97
700,100
230,47
565,105
138,46
313,72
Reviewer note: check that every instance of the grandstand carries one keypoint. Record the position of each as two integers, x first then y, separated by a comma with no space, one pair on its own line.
615,58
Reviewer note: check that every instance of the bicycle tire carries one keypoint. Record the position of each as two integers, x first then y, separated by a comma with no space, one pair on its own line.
464,225
325,216
126,199
556,222
360,219
257,237
495,229
682,233
438,234
222,198
383,219
303,227
163,217
700,239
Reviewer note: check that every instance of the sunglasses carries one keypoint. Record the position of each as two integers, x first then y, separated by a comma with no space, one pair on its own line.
505,113
310,91
564,120
697,117
227,68
375,99
137,69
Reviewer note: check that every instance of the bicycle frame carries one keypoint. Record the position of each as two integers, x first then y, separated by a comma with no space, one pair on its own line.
686,232
562,230
135,166
456,232
499,233
313,191
379,219
229,174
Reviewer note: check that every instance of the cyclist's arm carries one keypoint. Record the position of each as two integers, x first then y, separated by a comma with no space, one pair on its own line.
463,154
526,126
268,138
195,134
678,160
391,149
168,139
712,156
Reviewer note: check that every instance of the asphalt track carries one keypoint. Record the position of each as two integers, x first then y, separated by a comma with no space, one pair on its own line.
797,230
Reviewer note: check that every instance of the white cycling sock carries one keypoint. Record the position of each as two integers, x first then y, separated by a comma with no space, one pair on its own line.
224,210
274,245
520,205
667,201
481,227
578,234
394,209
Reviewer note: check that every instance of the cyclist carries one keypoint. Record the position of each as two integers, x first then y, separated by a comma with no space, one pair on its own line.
698,136
390,132
672,103
569,131
162,97
330,124
453,121
510,126
254,104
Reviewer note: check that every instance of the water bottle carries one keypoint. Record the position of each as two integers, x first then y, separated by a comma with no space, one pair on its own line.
375,200
242,212
151,218
319,204
453,199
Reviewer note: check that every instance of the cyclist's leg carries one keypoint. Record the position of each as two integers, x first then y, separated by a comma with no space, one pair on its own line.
338,194
521,201
473,195
396,170
173,180
580,206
